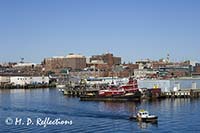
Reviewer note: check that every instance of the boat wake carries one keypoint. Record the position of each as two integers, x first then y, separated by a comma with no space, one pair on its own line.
58,113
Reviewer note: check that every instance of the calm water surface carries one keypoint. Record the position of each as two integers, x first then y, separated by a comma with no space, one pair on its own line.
179,115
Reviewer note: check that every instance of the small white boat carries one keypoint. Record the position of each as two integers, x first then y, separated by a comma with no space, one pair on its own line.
144,116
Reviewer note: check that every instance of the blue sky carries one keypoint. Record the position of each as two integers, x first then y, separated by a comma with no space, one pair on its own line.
132,29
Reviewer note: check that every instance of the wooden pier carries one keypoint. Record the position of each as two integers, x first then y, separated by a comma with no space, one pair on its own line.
28,86
186,93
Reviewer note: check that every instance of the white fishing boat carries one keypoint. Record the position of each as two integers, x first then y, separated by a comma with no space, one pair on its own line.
144,116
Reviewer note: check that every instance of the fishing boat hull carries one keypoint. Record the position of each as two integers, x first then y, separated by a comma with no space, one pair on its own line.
147,119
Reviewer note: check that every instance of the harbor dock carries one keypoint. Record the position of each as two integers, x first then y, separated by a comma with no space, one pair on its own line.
88,94
187,93
28,86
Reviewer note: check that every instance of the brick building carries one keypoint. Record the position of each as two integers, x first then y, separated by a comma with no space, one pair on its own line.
55,63
107,58
71,61
98,65
76,62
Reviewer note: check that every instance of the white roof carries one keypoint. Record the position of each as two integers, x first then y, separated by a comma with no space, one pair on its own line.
24,64
58,57
75,56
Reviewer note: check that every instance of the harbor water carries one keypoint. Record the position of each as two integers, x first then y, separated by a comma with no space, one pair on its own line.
174,115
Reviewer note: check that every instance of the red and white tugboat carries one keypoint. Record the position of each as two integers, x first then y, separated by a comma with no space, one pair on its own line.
129,91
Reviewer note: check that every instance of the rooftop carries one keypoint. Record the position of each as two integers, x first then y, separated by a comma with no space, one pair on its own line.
75,56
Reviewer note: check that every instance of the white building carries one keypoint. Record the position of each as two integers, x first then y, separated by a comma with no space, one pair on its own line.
27,64
39,80
19,80
139,73
107,80
4,80
171,84
23,80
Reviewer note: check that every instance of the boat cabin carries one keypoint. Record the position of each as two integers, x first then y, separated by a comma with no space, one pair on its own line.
143,113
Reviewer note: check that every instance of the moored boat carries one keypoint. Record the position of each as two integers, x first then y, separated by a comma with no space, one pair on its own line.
130,88
129,92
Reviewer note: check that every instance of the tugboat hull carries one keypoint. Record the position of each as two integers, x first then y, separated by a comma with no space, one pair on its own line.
110,98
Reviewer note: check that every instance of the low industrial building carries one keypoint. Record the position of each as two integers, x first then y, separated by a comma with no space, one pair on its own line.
170,84
23,80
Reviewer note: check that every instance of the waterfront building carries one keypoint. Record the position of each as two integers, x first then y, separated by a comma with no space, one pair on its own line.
25,80
170,84
24,64
20,79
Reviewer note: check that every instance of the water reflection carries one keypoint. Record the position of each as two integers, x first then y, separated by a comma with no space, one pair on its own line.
119,106
14,91
145,125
